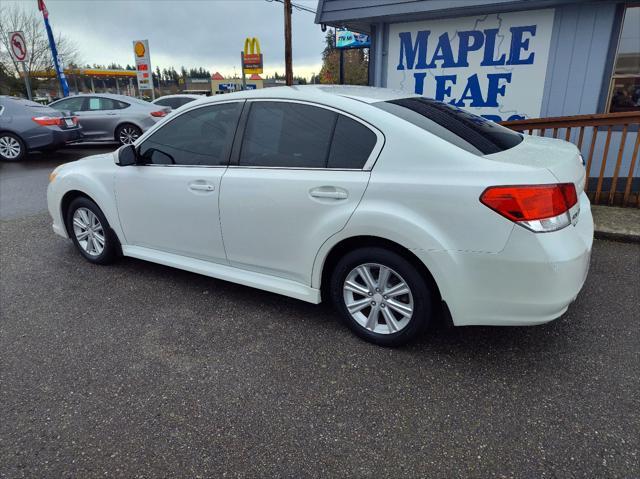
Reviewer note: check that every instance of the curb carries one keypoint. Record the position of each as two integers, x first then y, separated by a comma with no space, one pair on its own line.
617,236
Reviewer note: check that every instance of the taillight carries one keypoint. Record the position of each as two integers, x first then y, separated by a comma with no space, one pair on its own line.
540,208
158,113
48,120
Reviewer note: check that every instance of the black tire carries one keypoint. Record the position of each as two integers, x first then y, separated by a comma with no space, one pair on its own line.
127,126
111,244
13,138
419,287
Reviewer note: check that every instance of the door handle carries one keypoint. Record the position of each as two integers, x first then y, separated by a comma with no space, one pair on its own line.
201,187
112,114
329,192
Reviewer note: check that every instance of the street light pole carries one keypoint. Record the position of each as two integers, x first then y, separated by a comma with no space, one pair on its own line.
287,43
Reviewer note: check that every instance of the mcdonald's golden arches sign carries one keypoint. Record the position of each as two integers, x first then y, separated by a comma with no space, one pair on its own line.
251,57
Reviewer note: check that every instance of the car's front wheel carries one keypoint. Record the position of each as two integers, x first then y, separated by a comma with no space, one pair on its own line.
11,147
381,296
90,231
127,134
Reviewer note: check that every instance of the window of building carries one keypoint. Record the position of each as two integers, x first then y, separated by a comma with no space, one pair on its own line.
624,90
200,137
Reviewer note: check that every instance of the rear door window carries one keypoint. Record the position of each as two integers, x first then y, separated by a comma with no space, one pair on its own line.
470,132
285,134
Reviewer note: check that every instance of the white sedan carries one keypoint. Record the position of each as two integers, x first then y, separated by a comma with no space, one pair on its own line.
393,207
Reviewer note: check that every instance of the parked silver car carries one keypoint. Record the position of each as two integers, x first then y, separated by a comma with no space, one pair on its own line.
107,117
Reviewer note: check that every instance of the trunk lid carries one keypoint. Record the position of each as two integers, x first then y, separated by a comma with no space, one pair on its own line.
559,157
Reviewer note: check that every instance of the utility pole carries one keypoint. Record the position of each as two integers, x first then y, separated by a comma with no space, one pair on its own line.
287,43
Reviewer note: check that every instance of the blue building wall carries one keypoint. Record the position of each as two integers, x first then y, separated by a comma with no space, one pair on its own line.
580,58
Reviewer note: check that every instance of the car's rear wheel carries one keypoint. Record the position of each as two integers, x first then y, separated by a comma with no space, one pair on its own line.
127,134
12,148
381,296
90,231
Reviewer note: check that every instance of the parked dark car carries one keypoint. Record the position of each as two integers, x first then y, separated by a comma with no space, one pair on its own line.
27,126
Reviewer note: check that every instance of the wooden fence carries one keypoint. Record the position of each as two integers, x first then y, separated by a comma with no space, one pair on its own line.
587,131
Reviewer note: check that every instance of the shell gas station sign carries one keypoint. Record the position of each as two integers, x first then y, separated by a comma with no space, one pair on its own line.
143,64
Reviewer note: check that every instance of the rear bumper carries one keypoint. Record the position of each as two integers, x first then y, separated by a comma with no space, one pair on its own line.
531,281
64,137
52,137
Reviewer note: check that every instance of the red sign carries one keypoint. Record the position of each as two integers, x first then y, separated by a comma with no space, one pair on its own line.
252,60
18,46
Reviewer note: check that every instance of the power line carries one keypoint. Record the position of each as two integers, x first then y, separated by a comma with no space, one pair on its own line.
297,6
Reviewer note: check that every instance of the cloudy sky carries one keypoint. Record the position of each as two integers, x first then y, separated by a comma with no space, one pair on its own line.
193,33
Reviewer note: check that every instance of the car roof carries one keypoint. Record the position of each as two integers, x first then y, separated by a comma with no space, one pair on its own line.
19,100
317,93
181,95
112,96
366,94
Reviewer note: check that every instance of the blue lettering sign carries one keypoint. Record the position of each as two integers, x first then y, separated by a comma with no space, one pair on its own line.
471,92
477,40
443,52
518,43
442,89
409,50
490,48
495,88
478,92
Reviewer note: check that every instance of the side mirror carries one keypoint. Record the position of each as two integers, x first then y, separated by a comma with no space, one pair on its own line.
127,155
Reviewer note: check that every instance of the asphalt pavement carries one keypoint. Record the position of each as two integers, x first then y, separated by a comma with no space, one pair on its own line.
23,185
140,370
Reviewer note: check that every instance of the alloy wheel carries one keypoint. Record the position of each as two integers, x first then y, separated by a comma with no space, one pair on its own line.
128,135
88,231
378,298
10,147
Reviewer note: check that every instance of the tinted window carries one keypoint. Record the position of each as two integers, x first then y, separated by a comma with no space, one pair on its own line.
164,102
352,144
70,104
185,100
198,137
287,135
98,103
466,130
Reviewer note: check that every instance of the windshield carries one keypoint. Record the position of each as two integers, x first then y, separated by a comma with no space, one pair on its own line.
470,132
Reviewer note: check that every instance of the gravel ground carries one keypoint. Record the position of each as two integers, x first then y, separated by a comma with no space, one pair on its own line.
139,370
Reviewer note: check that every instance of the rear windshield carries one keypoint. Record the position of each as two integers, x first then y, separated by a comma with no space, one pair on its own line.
470,132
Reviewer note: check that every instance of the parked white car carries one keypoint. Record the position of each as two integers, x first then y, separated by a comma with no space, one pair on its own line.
386,204
175,101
